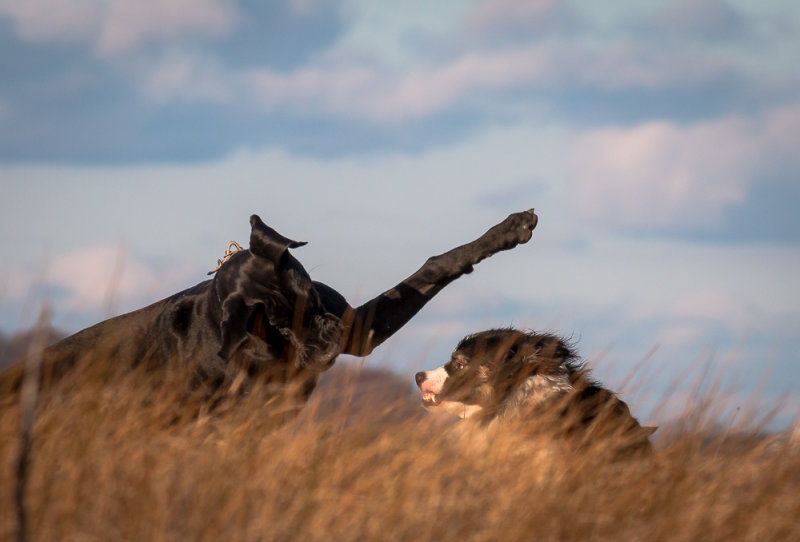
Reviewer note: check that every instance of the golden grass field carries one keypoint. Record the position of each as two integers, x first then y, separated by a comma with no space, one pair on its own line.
364,462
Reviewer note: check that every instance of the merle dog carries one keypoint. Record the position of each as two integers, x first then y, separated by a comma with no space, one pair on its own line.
261,317
534,380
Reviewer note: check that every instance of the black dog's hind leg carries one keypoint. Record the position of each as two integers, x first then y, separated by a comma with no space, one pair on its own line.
375,321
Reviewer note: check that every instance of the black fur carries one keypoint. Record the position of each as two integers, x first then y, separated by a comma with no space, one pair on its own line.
261,316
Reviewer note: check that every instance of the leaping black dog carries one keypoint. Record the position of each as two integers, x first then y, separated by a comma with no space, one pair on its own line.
261,317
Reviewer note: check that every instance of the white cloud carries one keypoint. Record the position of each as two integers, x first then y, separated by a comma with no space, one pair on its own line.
421,93
369,92
321,89
627,64
383,29
501,12
345,85
14,284
701,18
505,17
54,20
131,23
185,77
99,279
679,334
354,79
686,319
712,305
661,174
118,26
305,7
779,132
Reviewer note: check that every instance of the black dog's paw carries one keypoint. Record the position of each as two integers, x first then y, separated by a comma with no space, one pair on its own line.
516,229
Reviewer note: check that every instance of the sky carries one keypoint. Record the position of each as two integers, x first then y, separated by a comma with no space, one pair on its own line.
658,142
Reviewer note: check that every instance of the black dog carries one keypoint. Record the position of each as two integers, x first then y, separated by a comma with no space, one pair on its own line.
262,318
533,379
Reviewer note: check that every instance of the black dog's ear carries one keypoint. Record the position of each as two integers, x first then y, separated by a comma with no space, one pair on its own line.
233,328
266,242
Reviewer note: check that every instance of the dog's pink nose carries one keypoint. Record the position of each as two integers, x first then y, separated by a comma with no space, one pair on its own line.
420,378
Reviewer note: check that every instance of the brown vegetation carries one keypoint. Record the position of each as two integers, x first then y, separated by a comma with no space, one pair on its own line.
15,347
364,462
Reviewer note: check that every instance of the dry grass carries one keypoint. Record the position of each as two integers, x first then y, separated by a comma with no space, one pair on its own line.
110,463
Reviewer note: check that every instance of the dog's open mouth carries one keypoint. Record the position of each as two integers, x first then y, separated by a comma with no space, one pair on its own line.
430,399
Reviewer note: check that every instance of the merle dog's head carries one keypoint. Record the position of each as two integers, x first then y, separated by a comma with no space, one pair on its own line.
492,370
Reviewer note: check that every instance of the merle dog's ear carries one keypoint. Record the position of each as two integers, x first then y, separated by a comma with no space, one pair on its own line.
511,353
552,347
266,242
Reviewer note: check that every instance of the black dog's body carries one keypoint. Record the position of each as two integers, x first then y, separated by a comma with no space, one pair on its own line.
506,374
262,317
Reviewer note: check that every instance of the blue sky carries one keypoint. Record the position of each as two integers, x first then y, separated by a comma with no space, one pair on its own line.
658,142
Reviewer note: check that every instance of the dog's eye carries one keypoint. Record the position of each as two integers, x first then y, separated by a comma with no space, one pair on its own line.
459,365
